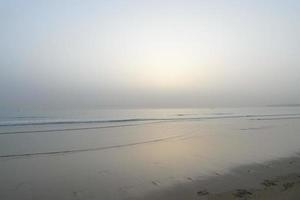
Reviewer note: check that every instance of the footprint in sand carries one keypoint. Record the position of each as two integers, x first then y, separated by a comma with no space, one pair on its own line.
202,192
240,193
288,185
103,172
156,183
269,183
291,162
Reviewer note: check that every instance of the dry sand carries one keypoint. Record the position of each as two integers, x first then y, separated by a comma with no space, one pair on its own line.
279,188
276,180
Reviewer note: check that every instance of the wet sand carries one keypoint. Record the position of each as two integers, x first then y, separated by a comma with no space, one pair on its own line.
276,180
211,156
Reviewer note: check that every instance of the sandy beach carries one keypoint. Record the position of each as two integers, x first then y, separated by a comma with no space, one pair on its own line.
274,180
153,154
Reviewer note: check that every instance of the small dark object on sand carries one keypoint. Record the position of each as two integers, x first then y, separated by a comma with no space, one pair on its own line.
268,183
155,183
242,193
202,192
75,194
287,185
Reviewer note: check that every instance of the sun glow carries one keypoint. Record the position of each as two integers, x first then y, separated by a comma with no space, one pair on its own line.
164,65
167,70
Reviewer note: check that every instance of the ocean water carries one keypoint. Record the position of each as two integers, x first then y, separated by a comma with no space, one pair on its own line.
125,153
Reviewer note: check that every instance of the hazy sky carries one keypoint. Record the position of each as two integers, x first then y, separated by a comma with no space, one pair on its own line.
151,53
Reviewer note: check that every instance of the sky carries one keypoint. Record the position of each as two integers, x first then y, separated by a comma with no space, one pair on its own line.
156,53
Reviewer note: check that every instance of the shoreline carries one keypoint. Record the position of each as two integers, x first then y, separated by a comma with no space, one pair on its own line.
276,179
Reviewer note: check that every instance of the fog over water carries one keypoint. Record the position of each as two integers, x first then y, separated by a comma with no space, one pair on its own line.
78,54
